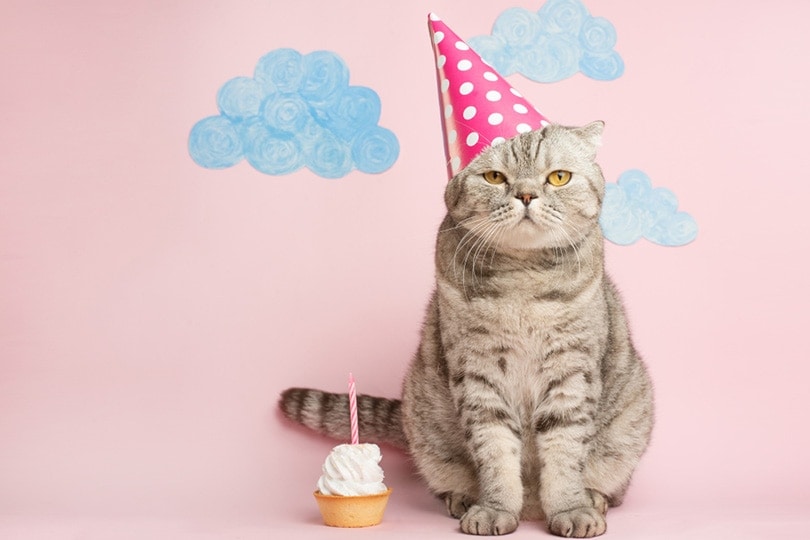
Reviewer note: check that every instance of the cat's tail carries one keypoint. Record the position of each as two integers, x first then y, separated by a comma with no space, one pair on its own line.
379,419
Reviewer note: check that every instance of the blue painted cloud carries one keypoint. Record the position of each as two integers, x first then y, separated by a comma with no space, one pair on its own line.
551,44
633,209
296,111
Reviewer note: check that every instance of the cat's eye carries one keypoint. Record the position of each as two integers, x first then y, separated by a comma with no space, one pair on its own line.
559,178
495,177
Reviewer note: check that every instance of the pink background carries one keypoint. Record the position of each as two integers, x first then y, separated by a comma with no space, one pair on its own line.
151,310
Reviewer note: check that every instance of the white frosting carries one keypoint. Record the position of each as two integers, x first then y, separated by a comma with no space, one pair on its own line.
351,470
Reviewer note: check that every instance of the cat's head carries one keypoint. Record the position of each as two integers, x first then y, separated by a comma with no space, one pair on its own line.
539,190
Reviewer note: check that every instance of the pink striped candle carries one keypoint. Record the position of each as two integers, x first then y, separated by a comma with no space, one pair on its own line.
353,410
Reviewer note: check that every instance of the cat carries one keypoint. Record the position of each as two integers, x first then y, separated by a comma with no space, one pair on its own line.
526,398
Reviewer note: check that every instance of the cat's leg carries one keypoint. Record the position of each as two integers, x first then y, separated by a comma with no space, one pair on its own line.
495,446
565,424
450,476
430,422
619,444
484,492
572,510
460,431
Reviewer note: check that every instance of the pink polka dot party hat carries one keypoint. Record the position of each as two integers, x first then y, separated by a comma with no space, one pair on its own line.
479,107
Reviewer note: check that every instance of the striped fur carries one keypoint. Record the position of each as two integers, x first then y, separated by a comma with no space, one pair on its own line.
526,397
380,419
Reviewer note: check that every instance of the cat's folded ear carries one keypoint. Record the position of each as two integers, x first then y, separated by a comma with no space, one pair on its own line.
591,134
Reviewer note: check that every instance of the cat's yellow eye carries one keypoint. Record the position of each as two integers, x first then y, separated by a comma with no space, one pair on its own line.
559,178
495,177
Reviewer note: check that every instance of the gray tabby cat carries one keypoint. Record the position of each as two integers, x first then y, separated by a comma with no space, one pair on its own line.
526,398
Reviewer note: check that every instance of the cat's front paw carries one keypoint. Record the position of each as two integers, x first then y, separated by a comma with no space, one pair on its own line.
578,523
457,504
483,520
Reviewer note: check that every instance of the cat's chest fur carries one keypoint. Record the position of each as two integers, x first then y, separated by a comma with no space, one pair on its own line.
507,332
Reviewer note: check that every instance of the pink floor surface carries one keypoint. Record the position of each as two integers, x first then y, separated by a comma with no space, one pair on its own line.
649,512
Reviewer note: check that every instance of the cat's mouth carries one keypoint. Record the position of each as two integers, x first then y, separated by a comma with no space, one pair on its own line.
527,217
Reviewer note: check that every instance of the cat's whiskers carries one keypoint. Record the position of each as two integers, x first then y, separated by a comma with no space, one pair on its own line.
576,243
463,223
478,224
559,255
572,244
557,224
475,248
496,242
501,217
485,244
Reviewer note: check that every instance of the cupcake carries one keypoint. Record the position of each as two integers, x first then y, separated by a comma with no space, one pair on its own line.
351,492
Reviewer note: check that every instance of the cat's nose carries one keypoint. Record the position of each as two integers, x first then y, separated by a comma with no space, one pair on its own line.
527,198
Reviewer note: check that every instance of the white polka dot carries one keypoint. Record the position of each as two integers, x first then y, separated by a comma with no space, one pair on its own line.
445,85
451,137
545,123
434,17
469,112
515,92
438,37
493,95
466,88
455,163
520,108
472,139
460,45
448,110
495,119
490,76
440,62
523,128
498,140
464,65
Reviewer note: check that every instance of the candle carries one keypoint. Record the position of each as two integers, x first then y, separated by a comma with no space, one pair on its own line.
353,410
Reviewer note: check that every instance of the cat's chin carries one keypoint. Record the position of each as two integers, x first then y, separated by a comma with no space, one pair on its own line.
526,236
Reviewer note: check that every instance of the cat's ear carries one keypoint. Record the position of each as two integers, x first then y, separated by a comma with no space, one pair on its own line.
591,135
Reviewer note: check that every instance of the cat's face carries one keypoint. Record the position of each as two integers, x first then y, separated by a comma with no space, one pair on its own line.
539,190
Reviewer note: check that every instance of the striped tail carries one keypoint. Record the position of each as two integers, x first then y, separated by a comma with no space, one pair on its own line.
380,419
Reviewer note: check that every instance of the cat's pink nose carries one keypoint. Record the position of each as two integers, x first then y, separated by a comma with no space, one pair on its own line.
526,198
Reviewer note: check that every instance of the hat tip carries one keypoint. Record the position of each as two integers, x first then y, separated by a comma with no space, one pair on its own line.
433,17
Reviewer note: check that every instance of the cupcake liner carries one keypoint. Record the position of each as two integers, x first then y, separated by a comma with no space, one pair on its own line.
356,511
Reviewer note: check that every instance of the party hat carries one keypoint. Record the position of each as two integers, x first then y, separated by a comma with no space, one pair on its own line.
479,107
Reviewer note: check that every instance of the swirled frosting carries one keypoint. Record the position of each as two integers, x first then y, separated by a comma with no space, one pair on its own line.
351,470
